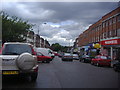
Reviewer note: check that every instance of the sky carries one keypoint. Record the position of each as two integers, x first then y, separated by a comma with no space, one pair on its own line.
59,22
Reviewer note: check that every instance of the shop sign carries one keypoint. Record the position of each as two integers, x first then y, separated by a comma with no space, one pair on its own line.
97,45
111,42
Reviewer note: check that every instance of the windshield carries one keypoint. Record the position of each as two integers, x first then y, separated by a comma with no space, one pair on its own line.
67,54
16,49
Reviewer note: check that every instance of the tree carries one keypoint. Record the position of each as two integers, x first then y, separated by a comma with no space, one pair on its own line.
56,47
13,28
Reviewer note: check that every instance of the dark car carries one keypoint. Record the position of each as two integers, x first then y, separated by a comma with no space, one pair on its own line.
75,57
85,58
116,65
43,58
67,57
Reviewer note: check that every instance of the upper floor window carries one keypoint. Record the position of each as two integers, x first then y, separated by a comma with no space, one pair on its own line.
103,24
106,23
119,18
110,21
114,20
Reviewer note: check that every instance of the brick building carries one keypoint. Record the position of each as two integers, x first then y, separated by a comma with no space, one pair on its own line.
106,30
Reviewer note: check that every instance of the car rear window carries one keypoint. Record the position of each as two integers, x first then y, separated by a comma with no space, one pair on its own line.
103,57
67,54
16,49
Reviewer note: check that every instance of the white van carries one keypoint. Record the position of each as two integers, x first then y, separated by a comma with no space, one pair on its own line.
45,51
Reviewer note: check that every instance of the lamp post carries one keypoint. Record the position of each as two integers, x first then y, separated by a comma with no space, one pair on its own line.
41,23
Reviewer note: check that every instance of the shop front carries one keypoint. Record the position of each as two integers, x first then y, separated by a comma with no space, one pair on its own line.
111,47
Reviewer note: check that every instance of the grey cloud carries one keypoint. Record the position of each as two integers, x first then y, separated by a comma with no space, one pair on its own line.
82,14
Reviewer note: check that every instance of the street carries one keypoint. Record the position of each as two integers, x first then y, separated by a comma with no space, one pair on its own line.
67,74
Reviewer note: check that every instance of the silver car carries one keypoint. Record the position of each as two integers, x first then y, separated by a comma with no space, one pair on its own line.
19,59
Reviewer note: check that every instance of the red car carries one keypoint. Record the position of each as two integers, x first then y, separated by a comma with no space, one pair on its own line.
41,57
101,60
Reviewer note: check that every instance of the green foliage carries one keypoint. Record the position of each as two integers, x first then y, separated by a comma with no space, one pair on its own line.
13,28
57,47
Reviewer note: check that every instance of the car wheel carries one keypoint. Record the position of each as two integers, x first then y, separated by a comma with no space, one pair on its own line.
84,60
47,61
92,63
97,64
34,77
42,61
115,68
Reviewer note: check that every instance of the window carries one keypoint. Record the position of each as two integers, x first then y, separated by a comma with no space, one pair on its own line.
106,23
114,20
119,18
103,57
110,21
110,33
103,25
16,49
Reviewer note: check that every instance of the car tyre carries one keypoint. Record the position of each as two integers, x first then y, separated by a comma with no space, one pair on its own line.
115,68
92,63
97,64
83,60
34,77
47,61
42,61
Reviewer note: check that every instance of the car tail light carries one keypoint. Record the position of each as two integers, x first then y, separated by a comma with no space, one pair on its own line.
33,52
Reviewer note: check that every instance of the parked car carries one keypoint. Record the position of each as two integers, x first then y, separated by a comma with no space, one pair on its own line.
45,52
19,59
100,60
116,65
85,58
67,57
51,52
75,57
56,54
43,58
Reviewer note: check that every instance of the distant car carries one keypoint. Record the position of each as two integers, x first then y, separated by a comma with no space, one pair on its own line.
67,57
56,53
85,58
75,57
100,60
43,58
116,65
19,59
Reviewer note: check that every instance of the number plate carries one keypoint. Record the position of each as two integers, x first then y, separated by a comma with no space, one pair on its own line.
10,72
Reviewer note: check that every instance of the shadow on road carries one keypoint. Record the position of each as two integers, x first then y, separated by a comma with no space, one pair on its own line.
14,82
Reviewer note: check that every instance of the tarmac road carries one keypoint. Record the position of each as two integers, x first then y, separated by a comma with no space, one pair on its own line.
67,74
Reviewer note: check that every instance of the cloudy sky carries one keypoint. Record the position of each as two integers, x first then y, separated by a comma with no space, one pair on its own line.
59,22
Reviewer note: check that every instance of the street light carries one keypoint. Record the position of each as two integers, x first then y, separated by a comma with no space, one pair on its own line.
39,31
